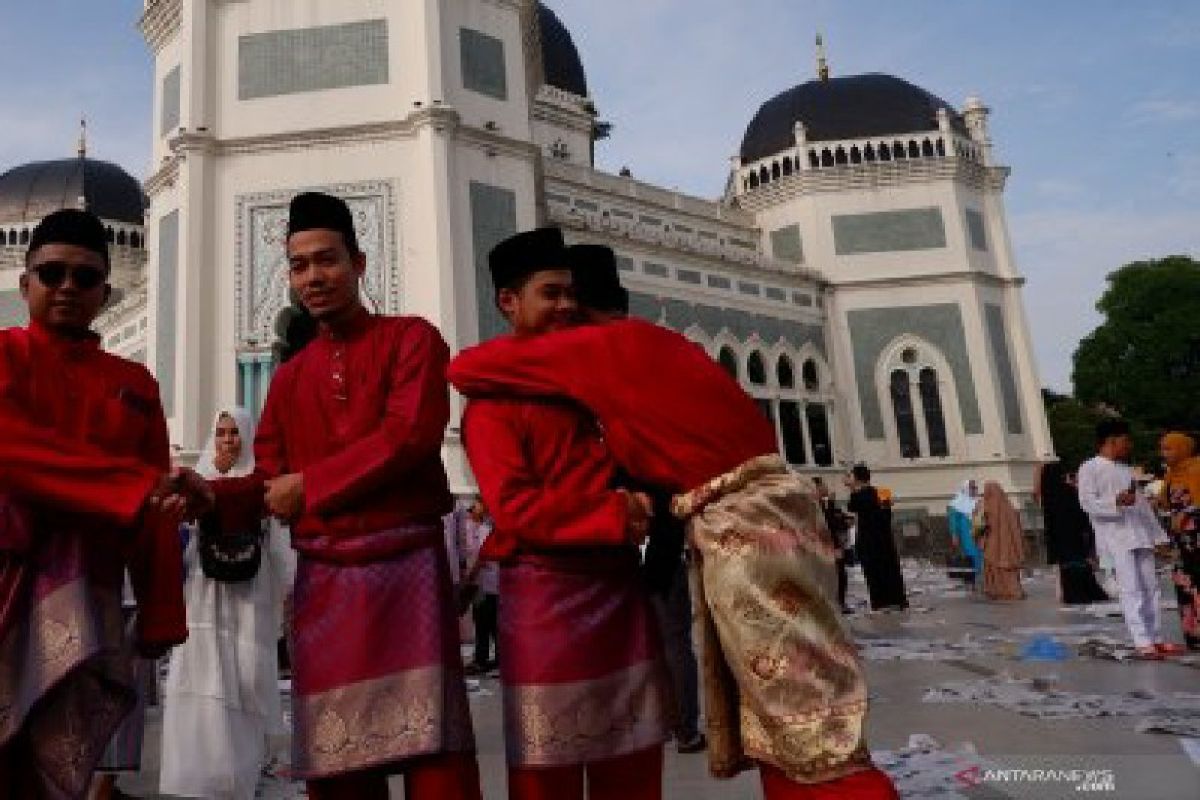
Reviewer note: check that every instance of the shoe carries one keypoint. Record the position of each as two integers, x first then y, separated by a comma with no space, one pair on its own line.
1170,648
692,745
1150,653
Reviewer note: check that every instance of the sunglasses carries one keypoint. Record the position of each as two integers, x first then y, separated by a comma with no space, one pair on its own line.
53,274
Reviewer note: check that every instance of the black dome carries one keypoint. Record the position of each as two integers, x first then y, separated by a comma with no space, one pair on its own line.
30,192
560,58
843,108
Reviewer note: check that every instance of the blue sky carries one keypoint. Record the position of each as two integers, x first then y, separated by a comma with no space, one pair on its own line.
1096,106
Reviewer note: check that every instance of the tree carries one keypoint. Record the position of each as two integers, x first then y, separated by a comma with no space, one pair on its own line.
1144,360
1072,427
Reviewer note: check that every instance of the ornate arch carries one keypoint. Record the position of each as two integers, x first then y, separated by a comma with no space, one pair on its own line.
913,355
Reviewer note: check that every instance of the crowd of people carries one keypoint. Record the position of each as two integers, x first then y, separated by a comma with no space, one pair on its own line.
1104,517
628,489
621,469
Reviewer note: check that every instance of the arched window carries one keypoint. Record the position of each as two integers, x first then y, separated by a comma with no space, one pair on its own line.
12,236
775,171
764,175
826,158
898,150
941,147
753,180
914,149
121,239
818,434
813,161
811,376
935,420
855,155
839,156
787,166
729,360
25,236
791,428
868,152
756,369
885,154
785,374
927,148
112,237
902,407
135,241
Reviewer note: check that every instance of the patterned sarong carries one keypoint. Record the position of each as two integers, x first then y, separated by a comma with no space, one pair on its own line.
783,683
66,679
580,660
377,673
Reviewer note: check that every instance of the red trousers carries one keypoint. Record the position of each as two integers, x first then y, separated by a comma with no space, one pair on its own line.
637,776
451,776
872,784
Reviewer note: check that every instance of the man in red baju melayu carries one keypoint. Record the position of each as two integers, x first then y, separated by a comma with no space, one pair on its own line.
349,452
86,492
784,686
585,693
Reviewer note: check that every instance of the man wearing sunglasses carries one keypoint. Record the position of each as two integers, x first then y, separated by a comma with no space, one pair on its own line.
86,493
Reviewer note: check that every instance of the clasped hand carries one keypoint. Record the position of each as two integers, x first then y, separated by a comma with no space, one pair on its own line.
639,511
182,493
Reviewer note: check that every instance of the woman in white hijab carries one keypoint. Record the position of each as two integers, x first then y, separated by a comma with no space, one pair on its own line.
222,713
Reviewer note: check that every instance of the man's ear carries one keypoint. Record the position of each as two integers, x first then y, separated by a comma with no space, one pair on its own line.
108,291
507,301
23,282
360,264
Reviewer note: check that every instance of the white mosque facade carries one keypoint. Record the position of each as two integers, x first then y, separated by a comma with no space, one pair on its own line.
857,275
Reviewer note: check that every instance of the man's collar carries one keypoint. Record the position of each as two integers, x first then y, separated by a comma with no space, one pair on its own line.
84,344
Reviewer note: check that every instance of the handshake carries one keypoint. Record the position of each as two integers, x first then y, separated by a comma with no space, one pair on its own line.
183,494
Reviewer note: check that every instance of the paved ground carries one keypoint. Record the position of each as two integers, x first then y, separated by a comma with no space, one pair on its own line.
968,739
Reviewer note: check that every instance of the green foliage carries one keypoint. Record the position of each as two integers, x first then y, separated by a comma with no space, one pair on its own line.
1072,427
1144,360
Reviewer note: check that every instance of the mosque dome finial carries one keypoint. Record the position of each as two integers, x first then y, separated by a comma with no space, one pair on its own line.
822,60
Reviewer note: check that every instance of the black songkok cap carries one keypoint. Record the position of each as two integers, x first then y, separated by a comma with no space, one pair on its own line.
597,282
71,226
316,210
518,257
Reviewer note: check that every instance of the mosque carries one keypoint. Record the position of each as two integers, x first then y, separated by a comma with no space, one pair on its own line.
856,276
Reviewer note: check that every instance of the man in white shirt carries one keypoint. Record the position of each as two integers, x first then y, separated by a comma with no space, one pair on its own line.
1127,529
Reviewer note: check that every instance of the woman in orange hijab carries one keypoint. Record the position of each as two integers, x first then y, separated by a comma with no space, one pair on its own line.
1181,497
1002,540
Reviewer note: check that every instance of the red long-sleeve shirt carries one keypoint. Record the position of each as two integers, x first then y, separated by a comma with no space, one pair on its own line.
83,441
361,415
545,476
671,415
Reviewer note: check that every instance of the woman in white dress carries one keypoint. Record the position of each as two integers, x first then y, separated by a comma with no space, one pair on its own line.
222,712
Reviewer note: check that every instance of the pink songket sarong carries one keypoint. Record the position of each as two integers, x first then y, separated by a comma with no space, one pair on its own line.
580,659
377,674
66,678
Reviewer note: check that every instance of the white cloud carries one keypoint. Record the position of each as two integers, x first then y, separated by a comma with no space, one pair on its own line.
1163,110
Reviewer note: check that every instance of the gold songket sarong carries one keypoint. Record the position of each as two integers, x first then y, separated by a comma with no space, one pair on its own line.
783,683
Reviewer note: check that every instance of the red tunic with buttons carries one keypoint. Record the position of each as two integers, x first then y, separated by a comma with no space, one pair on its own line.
82,443
377,675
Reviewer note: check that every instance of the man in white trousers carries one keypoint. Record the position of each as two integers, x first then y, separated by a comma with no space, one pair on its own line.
1127,529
